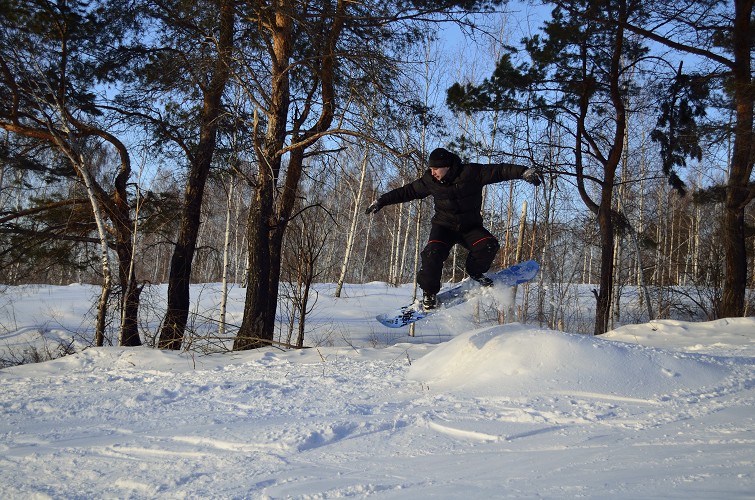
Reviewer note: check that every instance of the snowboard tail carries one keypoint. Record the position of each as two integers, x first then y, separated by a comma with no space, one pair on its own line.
460,293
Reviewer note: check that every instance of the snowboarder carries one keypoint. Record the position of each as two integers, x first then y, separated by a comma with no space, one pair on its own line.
456,188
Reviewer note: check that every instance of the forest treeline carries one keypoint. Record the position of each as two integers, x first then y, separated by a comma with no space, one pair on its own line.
239,141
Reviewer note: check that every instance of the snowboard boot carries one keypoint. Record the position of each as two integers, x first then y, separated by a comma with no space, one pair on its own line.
429,301
482,280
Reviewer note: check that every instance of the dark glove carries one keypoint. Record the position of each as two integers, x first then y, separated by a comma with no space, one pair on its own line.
374,207
533,176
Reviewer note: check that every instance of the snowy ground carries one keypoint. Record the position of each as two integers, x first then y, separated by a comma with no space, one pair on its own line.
656,410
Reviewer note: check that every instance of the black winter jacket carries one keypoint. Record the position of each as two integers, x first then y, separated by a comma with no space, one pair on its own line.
458,196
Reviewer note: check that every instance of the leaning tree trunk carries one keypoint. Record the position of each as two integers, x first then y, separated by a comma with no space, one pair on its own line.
99,331
510,314
115,206
177,314
79,164
179,278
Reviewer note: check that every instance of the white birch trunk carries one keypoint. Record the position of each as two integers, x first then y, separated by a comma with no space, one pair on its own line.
658,271
366,249
509,217
393,275
353,227
696,253
640,230
584,268
511,313
405,246
226,257
641,278
76,157
417,231
99,332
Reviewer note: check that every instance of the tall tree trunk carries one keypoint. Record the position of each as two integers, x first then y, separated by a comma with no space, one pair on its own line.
177,314
603,307
618,244
610,164
258,276
257,325
735,278
739,194
283,214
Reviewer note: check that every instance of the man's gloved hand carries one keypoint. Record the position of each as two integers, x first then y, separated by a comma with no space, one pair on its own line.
533,176
374,207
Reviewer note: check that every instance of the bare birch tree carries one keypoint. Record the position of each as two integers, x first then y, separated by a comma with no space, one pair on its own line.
352,232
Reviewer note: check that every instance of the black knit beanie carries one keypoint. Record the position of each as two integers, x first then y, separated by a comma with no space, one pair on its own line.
441,157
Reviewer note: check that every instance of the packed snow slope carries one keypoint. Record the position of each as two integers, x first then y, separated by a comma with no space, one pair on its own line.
656,410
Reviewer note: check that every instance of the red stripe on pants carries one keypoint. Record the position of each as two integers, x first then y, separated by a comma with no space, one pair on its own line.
482,239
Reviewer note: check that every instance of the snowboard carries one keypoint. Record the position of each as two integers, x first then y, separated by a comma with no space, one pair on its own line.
458,294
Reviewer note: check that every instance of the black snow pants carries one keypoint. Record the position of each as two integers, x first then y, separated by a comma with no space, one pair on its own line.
482,247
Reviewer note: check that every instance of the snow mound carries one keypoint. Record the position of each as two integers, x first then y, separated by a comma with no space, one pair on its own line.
730,334
511,360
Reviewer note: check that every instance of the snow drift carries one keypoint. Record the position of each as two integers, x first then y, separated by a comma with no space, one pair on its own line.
515,359
657,410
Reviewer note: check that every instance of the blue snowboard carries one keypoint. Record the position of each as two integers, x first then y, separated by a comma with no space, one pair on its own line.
457,294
